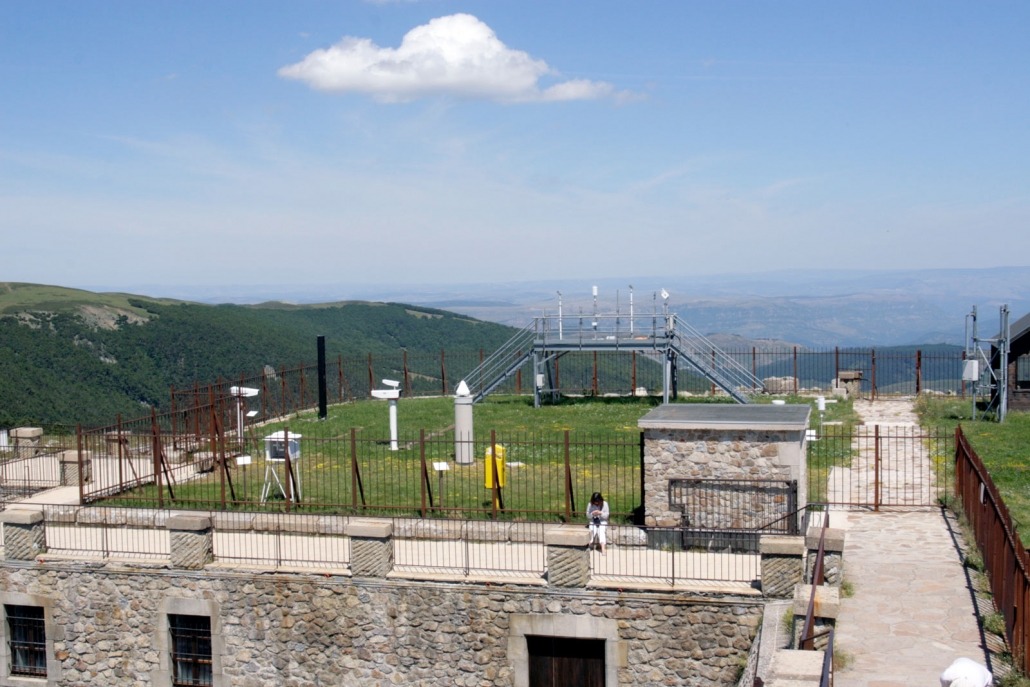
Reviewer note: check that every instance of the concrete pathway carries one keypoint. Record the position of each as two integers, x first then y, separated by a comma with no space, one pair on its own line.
913,611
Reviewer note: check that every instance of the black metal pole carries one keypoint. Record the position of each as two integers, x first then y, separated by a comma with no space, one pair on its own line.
322,409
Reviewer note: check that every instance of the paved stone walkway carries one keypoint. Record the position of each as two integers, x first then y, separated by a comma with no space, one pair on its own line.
903,476
912,612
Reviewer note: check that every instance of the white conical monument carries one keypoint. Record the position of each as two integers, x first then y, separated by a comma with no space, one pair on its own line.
464,445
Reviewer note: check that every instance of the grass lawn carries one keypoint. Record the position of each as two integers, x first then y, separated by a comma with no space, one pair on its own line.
339,472
1004,448
506,415
340,475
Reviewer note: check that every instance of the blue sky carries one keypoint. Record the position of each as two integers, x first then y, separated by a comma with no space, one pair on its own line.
167,143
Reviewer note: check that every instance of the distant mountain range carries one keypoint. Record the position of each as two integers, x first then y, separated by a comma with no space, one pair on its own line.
814,308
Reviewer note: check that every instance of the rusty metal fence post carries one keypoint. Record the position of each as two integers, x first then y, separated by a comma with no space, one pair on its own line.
877,467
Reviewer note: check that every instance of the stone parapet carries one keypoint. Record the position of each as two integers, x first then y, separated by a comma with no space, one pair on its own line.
371,548
567,536
782,545
827,607
191,540
795,667
827,601
27,435
833,541
27,440
24,534
71,472
833,554
833,569
568,560
782,565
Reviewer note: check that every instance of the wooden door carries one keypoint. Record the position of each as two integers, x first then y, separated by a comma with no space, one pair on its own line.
565,662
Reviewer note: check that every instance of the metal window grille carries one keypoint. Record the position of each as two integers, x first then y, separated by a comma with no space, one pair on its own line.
745,505
27,633
191,650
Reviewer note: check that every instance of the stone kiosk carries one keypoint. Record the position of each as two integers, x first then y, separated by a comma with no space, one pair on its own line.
750,443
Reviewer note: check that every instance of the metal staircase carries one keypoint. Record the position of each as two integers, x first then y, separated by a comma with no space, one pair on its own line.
502,363
719,367
667,340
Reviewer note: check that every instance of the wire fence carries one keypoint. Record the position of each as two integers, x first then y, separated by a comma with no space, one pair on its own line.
485,551
521,476
24,472
795,370
516,476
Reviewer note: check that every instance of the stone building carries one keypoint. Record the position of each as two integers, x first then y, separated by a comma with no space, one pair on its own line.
724,453
183,616
94,595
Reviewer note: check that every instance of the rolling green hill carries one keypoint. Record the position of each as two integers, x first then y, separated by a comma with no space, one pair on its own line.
69,356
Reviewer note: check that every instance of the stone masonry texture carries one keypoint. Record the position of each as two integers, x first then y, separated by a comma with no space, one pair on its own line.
693,454
299,630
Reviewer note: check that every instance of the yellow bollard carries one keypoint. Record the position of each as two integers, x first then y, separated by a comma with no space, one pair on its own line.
494,464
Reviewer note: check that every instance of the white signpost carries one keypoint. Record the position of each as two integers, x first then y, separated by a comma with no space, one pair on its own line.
391,395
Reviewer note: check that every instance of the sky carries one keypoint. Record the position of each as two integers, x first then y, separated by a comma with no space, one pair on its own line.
422,142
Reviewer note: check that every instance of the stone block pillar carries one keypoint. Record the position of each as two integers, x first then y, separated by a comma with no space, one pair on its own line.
827,607
782,565
191,541
70,474
568,559
833,554
795,667
24,534
112,440
371,548
27,441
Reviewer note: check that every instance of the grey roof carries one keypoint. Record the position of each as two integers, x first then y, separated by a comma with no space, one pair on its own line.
719,416
1019,327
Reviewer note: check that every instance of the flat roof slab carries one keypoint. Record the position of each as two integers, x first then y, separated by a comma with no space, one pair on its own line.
725,416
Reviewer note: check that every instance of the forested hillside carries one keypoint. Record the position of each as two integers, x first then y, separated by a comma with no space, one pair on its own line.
70,356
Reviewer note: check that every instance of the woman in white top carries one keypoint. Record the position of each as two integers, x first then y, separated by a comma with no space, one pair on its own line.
597,516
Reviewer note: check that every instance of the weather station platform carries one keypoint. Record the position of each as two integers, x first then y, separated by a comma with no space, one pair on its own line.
662,337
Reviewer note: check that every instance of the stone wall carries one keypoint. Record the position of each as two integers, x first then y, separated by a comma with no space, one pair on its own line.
697,453
108,625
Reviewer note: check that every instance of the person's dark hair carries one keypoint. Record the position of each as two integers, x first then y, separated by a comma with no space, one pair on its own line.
596,498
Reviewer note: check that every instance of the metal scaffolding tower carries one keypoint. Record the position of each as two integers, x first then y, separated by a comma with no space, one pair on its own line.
987,367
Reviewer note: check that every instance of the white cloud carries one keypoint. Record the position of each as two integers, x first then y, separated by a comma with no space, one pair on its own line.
455,55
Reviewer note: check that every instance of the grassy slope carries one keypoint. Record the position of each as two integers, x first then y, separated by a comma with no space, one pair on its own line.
1004,449
70,356
17,297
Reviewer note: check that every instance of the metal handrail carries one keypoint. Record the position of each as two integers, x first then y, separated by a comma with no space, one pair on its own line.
808,637
723,366
500,364
826,679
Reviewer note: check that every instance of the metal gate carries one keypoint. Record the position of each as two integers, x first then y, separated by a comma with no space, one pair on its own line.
874,466
735,504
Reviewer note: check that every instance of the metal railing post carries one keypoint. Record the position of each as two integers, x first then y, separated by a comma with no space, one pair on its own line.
876,469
